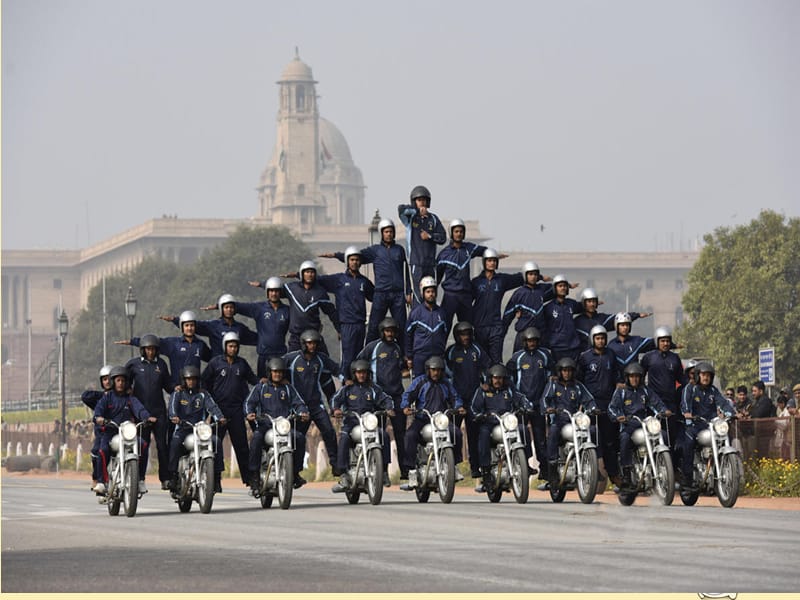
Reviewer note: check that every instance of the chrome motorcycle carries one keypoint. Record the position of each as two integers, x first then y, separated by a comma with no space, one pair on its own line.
123,469
276,474
577,460
435,464
509,466
716,466
196,469
652,464
365,473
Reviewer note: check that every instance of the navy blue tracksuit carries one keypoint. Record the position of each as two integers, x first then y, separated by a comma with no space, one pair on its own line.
628,350
181,353
426,335
560,334
304,306
192,406
529,301
116,408
487,298
703,402
215,330
569,396
599,372
360,398
627,402
421,253
90,398
499,402
453,273
228,384
664,376
272,325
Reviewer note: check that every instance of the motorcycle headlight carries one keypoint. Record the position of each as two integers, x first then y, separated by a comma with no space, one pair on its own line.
282,426
370,421
441,421
652,425
720,427
510,421
582,420
128,431
114,443
203,431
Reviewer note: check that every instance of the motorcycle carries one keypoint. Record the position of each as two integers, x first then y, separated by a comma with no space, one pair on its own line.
196,469
717,465
652,464
577,460
123,469
276,474
509,465
365,473
435,464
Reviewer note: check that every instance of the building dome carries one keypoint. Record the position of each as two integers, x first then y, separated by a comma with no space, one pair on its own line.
334,148
297,70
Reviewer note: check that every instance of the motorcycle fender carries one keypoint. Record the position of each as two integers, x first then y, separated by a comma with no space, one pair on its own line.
729,450
589,445
446,445
374,445
660,448
206,454
517,445
284,450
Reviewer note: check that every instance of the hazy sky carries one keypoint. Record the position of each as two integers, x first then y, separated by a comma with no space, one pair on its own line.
617,125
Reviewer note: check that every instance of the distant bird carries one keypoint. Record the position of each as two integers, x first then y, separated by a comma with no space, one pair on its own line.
541,228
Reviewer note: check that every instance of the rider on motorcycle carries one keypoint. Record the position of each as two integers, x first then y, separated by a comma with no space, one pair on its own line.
276,398
190,404
633,399
90,398
704,400
360,396
433,392
566,393
499,398
117,405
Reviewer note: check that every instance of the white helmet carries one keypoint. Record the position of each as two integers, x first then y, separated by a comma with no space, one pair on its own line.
306,265
560,278
273,283
597,330
231,336
621,317
490,253
384,223
426,282
186,317
663,332
226,299
588,294
457,223
350,251
530,266
105,371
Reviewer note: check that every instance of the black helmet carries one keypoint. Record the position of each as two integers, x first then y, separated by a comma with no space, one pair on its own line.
434,362
190,371
117,372
276,364
421,192
498,370
634,369
565,363
705,367
360,365
388,323
531,333
149,340
463,327
310,335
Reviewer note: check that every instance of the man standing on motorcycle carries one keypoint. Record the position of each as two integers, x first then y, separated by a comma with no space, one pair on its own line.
276,398
149,380
117,405
426,329
433,392
700,400
308,370
189,405
227,378
385,357
634,399
529,370
466,365
563,393
500,398
359,397
90,398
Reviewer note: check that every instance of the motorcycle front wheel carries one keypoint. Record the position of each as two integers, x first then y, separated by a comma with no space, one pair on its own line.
446,480
587,480
114,500
520,479
375,476
130,487
728,482
285,477
205,485
665,478
266,500
627,498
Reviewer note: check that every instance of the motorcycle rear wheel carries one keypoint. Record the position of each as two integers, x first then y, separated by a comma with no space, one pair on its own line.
727,485
130,487
446,482
557,493
520,479
423,494
285,476
627,498
352,496
205,485
587,480
665,481
689,498
266,500
374,474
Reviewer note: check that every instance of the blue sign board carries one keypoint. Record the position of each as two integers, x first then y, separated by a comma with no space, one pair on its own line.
766,365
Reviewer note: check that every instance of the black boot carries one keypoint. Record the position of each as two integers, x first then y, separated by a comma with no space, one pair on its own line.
552,472
217,483
627,478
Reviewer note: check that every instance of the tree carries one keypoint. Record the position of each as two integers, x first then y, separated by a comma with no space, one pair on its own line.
743,293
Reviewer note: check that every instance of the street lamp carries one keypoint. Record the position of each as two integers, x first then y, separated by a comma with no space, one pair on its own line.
130,311
63,329
373,229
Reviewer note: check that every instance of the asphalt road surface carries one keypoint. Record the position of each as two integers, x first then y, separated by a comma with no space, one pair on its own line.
57,538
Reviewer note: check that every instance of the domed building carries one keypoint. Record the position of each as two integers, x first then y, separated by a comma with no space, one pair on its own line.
311,179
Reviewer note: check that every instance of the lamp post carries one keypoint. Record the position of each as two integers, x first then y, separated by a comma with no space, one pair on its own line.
130,310
63,329
374,234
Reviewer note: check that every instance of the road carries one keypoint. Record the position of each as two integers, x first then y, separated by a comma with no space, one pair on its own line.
56,538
